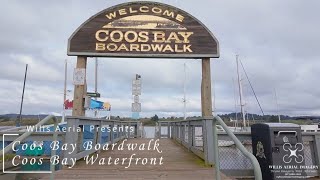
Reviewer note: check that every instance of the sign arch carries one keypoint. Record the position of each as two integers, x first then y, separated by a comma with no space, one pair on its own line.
143,29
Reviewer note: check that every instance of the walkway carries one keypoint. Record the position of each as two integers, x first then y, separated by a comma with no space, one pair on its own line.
178,164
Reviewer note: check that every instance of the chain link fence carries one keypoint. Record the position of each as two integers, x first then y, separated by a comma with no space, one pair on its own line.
232,159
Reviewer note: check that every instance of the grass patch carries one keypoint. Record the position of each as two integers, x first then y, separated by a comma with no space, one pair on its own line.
25,122
7,157
201,162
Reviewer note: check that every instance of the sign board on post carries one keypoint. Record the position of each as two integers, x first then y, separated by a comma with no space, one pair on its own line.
136,87
136,82
79,76
136,107
136,90
136,99
93,94
87,102
143,29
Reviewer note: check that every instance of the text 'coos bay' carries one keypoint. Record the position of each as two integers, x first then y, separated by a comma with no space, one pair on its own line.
156,41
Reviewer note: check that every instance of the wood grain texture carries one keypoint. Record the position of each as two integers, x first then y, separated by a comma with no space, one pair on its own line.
178,164
79,91
203,43
206,98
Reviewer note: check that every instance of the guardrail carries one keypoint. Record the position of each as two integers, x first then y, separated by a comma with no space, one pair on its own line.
185,133
311,141
114,135
70,135
26,134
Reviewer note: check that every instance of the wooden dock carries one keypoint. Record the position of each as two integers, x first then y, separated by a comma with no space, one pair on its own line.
178,163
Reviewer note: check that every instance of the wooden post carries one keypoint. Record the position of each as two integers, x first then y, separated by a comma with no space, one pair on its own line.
79,91
206,108
206,99
208,146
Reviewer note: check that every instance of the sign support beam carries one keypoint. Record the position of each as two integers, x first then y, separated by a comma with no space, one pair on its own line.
79,90
206,98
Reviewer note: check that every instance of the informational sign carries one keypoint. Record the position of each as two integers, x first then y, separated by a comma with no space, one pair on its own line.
79,76
93,94
143,29
136,87
136,82
136,99
87,102
136,107
136,90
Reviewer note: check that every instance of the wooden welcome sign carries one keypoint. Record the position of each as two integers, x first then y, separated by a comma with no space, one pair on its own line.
143,29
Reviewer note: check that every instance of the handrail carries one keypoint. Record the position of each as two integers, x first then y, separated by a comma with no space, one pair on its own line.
28,133
253,159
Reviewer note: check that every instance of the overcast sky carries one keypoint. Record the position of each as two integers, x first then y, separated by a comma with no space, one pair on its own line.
277,41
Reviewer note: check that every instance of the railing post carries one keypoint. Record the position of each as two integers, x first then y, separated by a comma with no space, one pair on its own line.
118,129
207,141
136,130
129,132
173,130
111,133
53,151
139,130
194,135
184,133
159,135
215,149
95,135
180,132
168,131
316,147
80,138
177,131
125,132
71,138
190,135
99,135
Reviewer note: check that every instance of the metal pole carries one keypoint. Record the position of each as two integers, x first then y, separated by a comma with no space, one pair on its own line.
275,94
239,145
96,82
65,82
216,150
235,103
65,89
240,93
22,97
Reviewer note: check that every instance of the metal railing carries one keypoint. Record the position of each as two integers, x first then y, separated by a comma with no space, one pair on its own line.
72,136
189,132
26,134
228,153
253,159
113,136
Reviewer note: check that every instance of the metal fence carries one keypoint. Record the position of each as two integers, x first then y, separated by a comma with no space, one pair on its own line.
232,161
199,137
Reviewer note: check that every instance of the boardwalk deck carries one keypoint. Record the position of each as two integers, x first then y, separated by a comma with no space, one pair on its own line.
178,163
